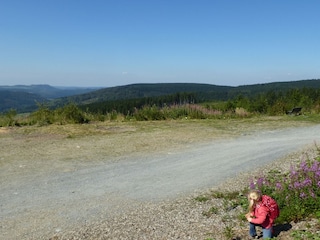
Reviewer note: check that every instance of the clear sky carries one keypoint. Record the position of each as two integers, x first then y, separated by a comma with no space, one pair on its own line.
109,43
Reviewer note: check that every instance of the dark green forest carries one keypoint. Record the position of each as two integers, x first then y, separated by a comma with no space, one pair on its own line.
270,98
170,101
207,92
19,100
26,98
272,102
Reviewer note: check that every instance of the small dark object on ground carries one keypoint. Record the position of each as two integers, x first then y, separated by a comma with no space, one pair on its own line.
295,111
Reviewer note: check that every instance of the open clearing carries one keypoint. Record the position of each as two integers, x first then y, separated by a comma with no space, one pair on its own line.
55,178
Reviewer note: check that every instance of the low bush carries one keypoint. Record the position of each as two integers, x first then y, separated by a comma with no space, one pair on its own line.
296,191
43,116
7,119
70,114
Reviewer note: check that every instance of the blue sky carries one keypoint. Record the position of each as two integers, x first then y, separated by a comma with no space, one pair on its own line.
109,43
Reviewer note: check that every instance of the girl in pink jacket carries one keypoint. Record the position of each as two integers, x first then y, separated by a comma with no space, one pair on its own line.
259,215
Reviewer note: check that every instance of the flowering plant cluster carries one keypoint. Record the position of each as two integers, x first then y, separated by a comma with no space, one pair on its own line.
297,191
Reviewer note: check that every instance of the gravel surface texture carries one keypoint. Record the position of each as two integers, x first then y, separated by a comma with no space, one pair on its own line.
148,195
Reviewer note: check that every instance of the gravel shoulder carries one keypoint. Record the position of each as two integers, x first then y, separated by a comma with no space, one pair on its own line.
128,183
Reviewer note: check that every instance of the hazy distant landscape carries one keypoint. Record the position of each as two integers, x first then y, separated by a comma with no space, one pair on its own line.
26,98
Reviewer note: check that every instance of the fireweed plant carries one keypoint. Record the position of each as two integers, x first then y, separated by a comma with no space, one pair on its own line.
297,191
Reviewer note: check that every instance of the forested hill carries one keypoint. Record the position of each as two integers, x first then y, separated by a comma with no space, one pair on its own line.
46,91
278,86
26,100
206,92
20,101
136,91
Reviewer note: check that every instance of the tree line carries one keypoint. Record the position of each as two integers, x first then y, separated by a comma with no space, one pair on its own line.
271,103
174,106
279,102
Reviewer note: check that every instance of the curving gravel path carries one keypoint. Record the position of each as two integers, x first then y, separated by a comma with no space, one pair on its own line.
42,205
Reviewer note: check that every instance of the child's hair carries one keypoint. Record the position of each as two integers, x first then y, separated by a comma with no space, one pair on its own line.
254,195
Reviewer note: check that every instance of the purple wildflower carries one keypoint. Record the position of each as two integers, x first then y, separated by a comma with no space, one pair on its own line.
252,185
315,166
304,166
297,185
261,181
307,182
293,171
312,194
279,186
303,195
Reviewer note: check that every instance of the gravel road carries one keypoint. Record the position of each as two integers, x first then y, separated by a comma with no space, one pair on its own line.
40,205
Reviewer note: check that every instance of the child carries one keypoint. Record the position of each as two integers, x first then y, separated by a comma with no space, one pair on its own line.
259,214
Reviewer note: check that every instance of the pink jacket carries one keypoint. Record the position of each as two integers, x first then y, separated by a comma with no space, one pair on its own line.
261,216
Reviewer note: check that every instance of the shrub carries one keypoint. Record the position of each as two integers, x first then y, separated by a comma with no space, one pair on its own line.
297,191
176,111
70,114
43,116
8,119
148,113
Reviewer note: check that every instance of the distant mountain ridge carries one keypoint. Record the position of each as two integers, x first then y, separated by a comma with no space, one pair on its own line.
25,98
19,101
47,91
207,91
142,90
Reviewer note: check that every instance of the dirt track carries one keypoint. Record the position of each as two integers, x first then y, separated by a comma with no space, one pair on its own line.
53,194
